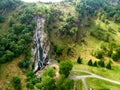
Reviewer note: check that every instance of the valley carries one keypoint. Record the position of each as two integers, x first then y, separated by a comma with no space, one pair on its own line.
67,45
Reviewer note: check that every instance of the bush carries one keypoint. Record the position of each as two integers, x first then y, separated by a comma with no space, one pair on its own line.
16,83
39,85
30,85
24,64
95,64
101,63
116,55
63,83
48,72
90,62
79,60
65,67
58,49
108,66
98,53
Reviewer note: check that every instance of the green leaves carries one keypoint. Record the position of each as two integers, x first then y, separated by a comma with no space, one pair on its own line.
16,83
65,67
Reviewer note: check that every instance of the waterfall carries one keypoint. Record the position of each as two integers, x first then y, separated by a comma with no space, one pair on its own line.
41,45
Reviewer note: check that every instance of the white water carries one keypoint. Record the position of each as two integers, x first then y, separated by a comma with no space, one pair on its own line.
42,0
41,45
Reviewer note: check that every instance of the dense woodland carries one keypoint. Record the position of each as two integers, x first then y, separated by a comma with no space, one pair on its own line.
68,27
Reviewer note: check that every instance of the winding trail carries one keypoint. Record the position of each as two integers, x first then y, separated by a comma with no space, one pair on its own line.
91,75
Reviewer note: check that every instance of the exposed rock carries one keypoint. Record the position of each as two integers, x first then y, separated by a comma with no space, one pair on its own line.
41,45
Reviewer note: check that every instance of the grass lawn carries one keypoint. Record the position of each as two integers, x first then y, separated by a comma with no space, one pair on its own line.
78,73
98,84
79,85
7,71
113,74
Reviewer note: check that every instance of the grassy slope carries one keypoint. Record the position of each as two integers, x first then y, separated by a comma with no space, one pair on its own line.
97,84
8,70
84,50
79,85
111,74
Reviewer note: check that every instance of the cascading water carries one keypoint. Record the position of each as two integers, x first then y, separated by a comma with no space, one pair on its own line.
41,45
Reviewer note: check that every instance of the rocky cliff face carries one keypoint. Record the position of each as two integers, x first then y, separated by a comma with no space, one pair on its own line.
41,45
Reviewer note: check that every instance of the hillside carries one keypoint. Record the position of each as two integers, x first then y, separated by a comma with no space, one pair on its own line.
83,34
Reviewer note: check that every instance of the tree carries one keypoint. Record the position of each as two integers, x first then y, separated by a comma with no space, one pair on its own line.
64,84
59,82
95,64
101,63
58,49
90,62
9,55
48,83
48,72
39,85
65,67
79,60
24,64
30,85
68,84
16,83
108,65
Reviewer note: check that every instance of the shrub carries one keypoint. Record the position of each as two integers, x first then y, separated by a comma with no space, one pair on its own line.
63,83
108,66
65,67
101,63
30,85
79,60
24,64
90,62
16,83
95,64
58,49
39,85
48,72
98,53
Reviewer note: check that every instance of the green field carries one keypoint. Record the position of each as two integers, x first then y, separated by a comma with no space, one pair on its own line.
97,84
73,73
79,85
111,74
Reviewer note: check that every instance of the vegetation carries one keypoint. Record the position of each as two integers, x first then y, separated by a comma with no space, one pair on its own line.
64,83
65,67
95,64
77,28
31,80
101,85
90,62
79,60
108,65
16,83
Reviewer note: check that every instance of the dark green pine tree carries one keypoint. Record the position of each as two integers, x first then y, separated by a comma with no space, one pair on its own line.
79,60
108,66
95,64
90,62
